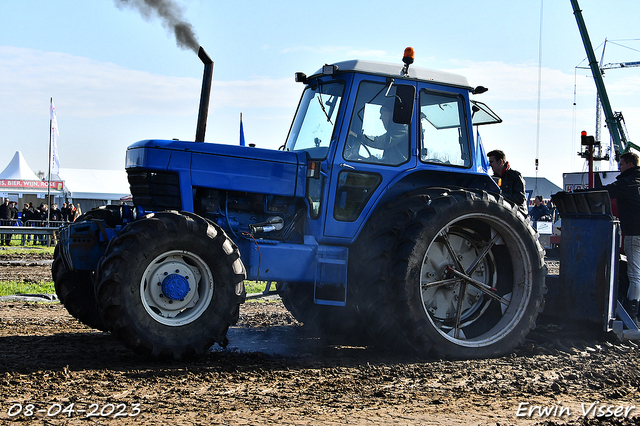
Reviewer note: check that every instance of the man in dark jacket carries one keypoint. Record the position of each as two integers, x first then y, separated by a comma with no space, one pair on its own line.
55,215
6,214
510,181
626,190
64,212
539,209
42,213
26,217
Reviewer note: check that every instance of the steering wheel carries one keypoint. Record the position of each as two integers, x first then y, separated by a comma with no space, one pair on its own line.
352,147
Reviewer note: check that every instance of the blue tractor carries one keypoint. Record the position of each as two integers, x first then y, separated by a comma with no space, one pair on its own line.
371,218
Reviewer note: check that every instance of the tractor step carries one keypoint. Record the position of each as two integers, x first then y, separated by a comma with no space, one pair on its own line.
330,287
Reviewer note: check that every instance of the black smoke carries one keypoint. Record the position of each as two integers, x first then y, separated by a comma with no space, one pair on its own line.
171,16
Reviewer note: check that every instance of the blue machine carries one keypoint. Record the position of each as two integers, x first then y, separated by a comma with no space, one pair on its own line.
586,291
372,215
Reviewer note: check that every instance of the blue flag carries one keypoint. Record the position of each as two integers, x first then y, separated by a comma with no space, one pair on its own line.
481,157
241,132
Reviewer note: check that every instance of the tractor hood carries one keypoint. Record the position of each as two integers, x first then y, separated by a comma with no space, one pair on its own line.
225,167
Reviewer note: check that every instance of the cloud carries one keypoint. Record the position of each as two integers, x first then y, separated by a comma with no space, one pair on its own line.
344,51
261,92
88,89
516,82
628,85
103,107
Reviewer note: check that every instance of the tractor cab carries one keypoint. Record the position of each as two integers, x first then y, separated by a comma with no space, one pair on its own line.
372,130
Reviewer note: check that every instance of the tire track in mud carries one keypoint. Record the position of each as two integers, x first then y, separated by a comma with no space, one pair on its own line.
48,358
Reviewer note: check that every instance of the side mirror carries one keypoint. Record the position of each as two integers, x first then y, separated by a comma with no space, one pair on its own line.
404,100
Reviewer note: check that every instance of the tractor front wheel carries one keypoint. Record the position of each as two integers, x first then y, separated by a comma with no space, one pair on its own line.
170,285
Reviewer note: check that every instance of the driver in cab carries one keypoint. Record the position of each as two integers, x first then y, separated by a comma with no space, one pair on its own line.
394,142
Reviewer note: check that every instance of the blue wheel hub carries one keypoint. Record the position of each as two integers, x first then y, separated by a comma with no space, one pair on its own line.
175,287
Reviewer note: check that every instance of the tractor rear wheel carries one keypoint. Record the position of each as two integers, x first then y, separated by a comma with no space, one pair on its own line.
75,291
464,274
75,288
170,285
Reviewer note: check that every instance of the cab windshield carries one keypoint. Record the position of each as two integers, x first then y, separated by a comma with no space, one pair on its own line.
312,129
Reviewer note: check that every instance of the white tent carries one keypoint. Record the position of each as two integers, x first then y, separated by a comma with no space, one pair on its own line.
18,169
91,188
90,184
18,182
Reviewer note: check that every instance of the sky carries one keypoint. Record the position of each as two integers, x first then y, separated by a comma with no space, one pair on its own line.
117,77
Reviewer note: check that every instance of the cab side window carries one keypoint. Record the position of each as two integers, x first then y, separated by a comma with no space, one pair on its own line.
444,138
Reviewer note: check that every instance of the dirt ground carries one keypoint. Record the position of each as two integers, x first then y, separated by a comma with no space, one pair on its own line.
54,370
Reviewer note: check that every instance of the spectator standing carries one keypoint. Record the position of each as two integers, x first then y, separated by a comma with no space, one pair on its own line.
73,213
55,220
31,216
41,217
26,217
626,190
14,216
55,215
511,182
6,214
65,212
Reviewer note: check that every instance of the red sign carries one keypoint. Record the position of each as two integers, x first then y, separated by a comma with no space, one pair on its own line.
30,184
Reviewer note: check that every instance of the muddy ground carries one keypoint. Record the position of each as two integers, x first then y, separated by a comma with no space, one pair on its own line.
51,364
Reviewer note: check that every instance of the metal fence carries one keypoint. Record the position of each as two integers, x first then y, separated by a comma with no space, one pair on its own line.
15,232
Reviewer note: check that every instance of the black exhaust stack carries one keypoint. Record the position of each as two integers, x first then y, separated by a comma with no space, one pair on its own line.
204,95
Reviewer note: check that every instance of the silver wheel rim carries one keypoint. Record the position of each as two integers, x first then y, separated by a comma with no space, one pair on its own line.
459,261
176,304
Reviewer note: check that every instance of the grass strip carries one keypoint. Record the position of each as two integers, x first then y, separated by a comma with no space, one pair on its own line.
19,251
9,288
257,286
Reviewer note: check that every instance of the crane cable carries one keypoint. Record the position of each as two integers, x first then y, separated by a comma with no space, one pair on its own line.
535,191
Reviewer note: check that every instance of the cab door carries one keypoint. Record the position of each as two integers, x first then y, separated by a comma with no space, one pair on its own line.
375,148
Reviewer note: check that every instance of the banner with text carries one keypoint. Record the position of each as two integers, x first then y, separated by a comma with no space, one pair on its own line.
30,184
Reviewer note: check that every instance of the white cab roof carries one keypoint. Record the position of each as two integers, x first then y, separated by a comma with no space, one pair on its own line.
395,71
